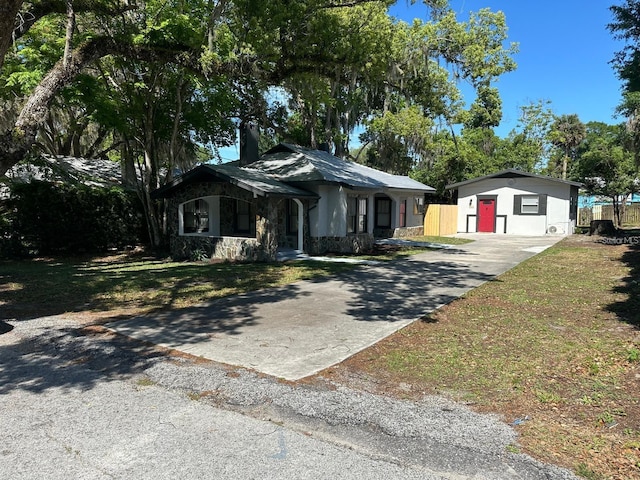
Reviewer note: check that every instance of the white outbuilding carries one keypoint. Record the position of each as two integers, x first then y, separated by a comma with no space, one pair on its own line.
517,203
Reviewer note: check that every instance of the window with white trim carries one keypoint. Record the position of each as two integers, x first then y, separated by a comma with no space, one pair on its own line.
418,205
529,204
195,216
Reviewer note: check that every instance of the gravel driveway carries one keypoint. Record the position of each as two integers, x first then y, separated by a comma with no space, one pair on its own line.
98,406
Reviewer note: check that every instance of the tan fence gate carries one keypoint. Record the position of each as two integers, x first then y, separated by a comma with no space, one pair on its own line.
441,220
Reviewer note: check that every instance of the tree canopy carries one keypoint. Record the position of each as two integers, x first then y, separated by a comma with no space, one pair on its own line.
341,62
626,62
161,84
604,163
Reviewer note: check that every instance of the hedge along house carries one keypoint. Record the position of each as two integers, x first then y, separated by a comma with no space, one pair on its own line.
518,203
291,198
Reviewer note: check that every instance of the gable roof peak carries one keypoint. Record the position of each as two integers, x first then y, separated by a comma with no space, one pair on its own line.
511,173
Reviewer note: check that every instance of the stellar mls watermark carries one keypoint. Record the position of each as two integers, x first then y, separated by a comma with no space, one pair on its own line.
620,241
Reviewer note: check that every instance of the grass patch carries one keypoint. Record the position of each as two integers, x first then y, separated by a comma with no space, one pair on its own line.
136,284
442,240
124,284
394,251
555,339
145,382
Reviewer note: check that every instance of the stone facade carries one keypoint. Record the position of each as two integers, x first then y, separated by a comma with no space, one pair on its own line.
408,232
359,243
260,246
401,232
220,248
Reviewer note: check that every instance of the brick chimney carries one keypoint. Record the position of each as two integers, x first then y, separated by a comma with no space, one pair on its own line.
249,135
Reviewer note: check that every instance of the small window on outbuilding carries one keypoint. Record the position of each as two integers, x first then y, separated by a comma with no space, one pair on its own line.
530,205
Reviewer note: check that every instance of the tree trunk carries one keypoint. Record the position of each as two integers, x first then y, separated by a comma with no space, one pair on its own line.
618,209
16,142
602,227
68,40
153,226
565,162
9,10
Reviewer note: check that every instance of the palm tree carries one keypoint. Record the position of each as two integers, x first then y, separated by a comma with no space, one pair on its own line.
567,132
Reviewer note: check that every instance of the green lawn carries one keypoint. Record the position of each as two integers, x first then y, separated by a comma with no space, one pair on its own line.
134,284
46,287
555,339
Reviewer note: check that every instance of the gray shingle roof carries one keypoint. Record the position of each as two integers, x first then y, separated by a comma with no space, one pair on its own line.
285,170
257,182
299,165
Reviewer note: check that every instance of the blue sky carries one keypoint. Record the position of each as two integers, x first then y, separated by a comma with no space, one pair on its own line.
565,50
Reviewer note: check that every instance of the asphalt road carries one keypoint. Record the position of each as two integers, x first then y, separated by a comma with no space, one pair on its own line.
76,406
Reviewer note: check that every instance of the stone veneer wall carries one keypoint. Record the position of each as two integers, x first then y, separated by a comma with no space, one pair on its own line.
408,232
383,232
261,248
359,243
267,229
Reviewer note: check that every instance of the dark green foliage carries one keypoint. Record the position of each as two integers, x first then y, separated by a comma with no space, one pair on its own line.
48,218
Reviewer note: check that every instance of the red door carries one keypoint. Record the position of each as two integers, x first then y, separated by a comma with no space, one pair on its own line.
487,215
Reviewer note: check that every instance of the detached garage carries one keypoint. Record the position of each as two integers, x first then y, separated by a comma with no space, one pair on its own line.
517,203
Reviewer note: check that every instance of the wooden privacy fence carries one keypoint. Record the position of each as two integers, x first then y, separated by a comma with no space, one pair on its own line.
630,216
441,220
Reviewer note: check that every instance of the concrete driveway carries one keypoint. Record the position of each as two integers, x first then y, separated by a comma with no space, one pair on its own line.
297,330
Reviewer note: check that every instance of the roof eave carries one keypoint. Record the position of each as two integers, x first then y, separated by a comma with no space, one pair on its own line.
519,173
204,170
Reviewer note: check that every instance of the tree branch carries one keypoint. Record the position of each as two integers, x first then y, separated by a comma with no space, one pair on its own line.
47,7
9,10
346,3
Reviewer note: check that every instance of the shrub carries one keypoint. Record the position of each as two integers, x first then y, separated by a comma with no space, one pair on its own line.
64,218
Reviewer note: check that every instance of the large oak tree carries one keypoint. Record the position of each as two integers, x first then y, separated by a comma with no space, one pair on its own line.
250,42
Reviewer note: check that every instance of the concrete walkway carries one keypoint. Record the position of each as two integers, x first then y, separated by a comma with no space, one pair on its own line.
297,330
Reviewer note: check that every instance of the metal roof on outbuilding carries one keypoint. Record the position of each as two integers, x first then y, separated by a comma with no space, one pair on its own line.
512,173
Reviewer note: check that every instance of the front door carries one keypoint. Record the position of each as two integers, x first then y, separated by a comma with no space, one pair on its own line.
487,215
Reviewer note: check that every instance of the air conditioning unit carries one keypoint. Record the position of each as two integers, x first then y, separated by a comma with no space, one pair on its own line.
555,230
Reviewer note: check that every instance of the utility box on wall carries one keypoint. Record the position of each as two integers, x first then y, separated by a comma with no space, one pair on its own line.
441,220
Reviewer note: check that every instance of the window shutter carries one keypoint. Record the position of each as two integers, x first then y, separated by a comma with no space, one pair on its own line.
517,204
542,205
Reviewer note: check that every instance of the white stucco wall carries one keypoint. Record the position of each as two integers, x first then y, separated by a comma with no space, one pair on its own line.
412,220
329,217
558,205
